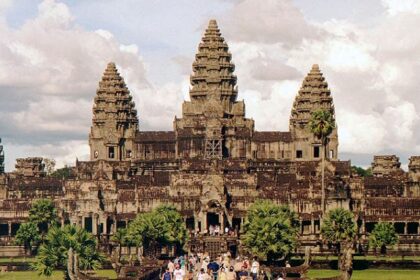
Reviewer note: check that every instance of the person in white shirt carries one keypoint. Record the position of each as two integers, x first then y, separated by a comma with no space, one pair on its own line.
178,273
255,269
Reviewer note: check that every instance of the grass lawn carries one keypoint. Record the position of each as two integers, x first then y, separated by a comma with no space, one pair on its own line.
57,275
17,259
370,274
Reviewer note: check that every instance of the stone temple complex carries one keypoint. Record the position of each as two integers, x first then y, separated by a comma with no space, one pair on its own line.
212,166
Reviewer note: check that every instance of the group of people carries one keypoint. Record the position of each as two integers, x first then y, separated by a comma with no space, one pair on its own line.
202,267
216,230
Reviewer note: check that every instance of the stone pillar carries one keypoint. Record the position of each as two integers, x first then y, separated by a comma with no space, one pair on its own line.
94,224
9,227
195,223
105,228
83,222
114,225
405,228
204,223
313,225
222,222
62,222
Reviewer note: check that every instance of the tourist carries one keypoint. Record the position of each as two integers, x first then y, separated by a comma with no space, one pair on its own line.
231,275
203,275
178,273
288,264
216,230
246,263
238,266
226,230
222,274
214,268
243,274
205,263
171,266
211,230
167,275
255,269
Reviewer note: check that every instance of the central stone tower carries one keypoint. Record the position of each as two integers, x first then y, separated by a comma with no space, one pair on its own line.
213,116
114,122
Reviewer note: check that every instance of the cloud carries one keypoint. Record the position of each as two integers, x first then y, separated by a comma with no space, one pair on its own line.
271,22
49,70
50,67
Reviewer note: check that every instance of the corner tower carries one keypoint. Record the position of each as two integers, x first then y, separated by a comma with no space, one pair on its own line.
213,115
114,122
313,95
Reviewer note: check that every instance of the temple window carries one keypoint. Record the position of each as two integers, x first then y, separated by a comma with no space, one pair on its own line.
299,154
111,152
316,152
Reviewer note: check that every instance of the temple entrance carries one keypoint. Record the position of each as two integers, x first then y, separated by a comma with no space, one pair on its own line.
212,219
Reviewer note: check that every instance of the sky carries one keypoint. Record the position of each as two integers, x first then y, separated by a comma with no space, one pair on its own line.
53,53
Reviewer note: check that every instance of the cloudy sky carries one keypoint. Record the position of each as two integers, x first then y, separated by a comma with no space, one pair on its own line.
53,53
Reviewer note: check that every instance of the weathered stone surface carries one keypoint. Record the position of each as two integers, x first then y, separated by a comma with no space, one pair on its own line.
213,165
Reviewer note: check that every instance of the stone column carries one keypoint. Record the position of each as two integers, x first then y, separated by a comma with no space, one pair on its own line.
83,222
9,227
222,222
195,223
204,223
313,225
94,224
105,228
405,228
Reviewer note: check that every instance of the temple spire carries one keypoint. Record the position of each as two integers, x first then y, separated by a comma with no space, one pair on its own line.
314,94
114,120
212,77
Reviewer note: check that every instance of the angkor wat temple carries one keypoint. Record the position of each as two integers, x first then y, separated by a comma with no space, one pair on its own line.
213,165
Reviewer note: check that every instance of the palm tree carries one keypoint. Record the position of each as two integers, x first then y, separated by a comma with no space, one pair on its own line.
322,124
339,229
28,236
44,214
383,235
53,253
119,237
270,231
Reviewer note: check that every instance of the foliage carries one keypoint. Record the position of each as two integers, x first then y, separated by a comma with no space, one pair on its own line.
52,254
361,171
383,235
321,124
339,226
62,173
163,225
49,165
28,236
43,214
270,231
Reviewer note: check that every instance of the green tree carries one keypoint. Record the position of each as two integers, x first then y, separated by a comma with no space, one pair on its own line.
322,124
270,231
49,165
383,235
120,238
28,236
53,253
339,229
361,171
164,226
44,214
63,173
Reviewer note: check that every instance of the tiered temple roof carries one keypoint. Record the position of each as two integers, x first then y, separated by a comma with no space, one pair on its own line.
113,103
314,94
